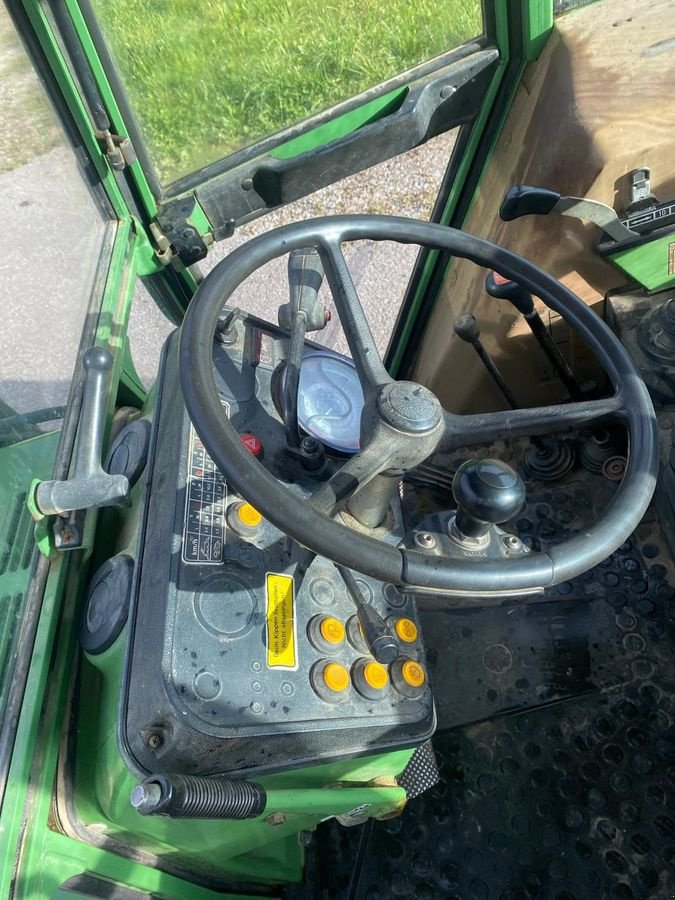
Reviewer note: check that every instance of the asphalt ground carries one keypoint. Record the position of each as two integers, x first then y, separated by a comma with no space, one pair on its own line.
55,234
53,237
405,186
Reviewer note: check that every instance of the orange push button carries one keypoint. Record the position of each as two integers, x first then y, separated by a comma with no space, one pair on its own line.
413,673
336,677
249,516
327,634
332,630
406,630
375,675
370,678
408,677
243,518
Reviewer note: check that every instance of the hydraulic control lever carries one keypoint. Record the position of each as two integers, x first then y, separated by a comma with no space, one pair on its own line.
89,486
467,330
502,289
382,644
304,312
524,200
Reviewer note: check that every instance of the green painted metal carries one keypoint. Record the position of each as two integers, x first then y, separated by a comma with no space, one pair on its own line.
50,45
651,264
144,194
21,465
130,391
147,262
537,26
535,16
342,125
199,220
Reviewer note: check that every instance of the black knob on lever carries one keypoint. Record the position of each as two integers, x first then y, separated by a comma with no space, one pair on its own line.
466,328
524,200
502,289
487,492
381,642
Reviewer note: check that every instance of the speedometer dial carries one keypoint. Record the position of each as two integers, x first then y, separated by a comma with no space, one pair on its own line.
330,401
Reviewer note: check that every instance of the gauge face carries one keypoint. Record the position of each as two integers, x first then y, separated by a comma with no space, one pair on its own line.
330,401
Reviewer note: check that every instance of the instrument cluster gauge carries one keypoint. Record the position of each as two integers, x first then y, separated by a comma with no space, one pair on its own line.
330,401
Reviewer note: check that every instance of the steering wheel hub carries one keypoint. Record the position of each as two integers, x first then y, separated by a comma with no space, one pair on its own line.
409,407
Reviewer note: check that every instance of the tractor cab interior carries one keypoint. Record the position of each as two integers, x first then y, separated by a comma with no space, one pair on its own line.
427,592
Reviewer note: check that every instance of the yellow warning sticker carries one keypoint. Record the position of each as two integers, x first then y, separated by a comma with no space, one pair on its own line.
281,649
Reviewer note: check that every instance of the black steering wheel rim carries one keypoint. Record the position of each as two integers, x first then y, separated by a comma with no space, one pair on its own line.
334,540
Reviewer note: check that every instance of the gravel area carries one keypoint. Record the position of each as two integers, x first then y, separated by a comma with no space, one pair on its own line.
406,186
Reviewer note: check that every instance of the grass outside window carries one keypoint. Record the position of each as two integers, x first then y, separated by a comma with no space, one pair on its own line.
208,79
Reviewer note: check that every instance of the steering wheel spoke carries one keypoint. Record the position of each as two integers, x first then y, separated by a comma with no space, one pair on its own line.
365,354
483,428
353,475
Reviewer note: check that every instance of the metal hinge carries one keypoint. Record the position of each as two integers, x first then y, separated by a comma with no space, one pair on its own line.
118,149
181,233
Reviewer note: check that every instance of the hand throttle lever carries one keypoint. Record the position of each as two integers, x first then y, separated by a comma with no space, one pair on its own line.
525,200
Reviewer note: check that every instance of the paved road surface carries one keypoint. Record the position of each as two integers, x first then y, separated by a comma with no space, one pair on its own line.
54,235
404,186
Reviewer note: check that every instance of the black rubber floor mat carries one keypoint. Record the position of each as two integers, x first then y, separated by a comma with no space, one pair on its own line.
557,757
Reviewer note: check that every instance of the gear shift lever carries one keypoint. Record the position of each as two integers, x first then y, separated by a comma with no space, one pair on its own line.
487,492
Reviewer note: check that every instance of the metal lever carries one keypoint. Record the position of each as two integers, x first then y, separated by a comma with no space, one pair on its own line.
503,289
89,486
466,328
524,200
304,312
382,644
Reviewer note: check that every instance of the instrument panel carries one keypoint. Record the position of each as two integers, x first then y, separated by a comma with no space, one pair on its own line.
245,652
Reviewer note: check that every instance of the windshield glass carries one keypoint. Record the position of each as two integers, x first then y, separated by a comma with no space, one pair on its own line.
207,79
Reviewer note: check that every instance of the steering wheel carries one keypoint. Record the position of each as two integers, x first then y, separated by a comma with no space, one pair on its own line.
403,423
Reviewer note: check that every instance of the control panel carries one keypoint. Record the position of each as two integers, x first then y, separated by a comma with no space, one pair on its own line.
247,653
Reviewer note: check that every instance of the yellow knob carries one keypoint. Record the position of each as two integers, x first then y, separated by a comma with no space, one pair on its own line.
336,677
375,675
332,630
406,630
248,515
413,673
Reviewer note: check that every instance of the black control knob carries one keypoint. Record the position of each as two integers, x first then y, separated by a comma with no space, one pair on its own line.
487,492
466,328
502,289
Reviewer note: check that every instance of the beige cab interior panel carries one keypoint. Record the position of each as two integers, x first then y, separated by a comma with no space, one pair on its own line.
597,104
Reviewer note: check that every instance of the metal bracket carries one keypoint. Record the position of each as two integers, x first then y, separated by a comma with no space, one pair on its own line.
177,232
90,486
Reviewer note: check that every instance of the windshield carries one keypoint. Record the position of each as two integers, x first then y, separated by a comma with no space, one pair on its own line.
208,79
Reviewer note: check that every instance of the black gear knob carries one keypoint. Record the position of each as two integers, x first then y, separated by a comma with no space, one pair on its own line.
487,492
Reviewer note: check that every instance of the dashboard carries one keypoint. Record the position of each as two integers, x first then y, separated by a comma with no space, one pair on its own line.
246,653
